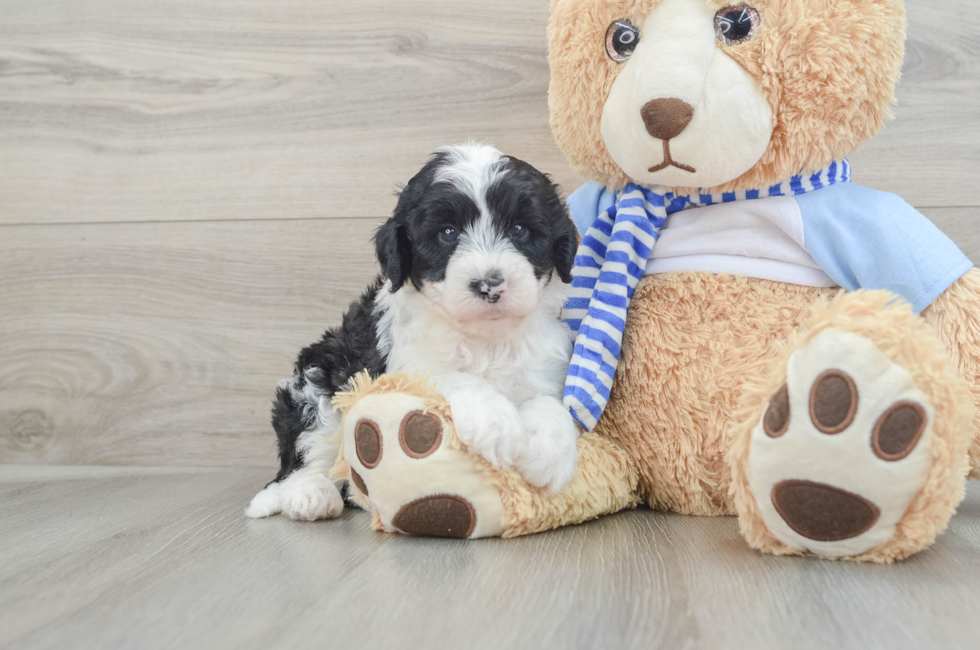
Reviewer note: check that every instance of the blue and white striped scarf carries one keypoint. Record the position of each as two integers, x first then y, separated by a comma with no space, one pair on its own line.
610,263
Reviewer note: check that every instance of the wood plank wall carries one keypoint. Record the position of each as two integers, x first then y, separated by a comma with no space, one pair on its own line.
188,189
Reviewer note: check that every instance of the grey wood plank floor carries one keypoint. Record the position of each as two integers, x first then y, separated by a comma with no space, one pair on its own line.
163,558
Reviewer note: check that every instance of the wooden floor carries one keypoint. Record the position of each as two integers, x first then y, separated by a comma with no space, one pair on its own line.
188,189
163,558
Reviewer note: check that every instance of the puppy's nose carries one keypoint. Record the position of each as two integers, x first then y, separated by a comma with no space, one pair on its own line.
490,288
666,118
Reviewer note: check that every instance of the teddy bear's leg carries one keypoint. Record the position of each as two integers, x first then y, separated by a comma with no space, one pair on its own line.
855,447
956,317
400,451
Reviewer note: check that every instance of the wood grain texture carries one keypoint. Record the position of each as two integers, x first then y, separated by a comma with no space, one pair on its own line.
154,344
111,110
161,559
161,343
930,153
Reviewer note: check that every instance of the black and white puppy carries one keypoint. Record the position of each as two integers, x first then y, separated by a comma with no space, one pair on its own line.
476,263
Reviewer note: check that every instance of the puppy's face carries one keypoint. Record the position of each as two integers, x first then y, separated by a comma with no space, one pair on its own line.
480,236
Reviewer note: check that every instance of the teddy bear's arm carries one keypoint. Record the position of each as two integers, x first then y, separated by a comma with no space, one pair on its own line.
866,239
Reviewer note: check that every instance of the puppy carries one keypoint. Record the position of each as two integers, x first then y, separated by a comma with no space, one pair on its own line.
476,263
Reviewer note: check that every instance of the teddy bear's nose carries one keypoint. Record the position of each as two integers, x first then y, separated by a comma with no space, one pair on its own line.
666,118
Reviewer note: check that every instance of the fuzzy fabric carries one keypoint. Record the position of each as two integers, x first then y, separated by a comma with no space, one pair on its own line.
416,385
827,68
956,317
908,341
605,482
694,337
605,479
611,261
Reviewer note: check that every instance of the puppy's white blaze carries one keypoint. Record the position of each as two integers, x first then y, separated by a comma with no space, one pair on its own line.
472,168
484,239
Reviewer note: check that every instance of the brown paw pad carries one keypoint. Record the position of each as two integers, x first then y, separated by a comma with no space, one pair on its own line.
823,513
898,431
359,482
368,443
833,402
776,422
442,515
420,434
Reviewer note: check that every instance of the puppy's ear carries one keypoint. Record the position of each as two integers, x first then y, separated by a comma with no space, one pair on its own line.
565,249
394,251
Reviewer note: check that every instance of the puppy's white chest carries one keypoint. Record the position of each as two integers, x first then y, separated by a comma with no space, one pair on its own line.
515,385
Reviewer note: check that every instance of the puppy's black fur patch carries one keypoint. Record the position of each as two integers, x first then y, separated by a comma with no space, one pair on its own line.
408,246
527,197
329,364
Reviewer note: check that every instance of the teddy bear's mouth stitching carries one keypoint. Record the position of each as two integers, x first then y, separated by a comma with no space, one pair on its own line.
670,162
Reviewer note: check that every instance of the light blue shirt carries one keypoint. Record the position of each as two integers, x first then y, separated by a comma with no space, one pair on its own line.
861,238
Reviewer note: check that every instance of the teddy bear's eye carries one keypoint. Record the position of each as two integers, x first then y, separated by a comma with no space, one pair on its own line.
736,24
622,37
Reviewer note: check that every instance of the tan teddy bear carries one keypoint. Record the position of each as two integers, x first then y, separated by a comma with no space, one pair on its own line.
756,335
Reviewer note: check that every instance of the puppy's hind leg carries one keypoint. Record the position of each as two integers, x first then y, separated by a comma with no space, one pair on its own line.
301,490
305,495
308,494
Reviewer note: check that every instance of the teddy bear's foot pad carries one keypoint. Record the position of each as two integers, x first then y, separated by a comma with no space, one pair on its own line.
823,513
442,515
407,465
842,449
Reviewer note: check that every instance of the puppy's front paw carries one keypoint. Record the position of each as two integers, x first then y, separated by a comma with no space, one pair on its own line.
550,451
489,425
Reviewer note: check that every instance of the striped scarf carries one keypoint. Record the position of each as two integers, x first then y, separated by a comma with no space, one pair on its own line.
610,263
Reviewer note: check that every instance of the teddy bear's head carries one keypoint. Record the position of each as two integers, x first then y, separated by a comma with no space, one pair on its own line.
719,95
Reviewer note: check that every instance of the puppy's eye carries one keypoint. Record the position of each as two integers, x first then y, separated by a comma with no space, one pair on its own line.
736,24
519,231
448,235
622,37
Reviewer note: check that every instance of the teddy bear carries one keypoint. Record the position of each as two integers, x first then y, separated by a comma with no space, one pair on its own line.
756,335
